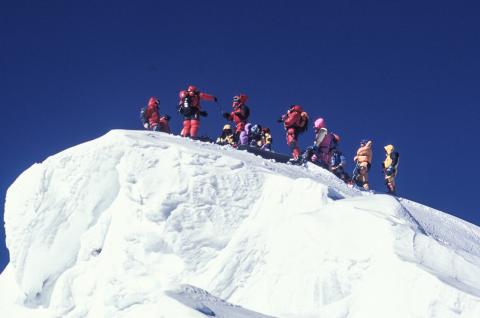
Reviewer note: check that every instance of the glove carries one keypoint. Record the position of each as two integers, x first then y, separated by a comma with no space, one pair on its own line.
215,99
203,113
146,125
226,116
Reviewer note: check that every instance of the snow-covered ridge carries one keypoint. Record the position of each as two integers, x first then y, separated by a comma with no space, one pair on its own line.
143,224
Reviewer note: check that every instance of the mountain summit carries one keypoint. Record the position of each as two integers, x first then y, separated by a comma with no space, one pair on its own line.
144,224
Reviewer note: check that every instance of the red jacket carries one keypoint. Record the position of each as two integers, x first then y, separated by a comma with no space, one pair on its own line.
292,119
154,118
238,115
151,113
195,98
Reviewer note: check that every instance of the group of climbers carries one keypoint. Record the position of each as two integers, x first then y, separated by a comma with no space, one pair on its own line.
245,133
324,152
363,161
188,106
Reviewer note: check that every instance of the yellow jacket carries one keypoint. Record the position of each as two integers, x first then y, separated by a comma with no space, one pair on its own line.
266,139
226,140
391,158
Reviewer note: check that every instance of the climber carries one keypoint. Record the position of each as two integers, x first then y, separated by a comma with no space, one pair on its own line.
227,137
189,107
266,141
325,141
239,115
389,167
363,161
321,150
295,122
151,118
255,136
338,163
244,136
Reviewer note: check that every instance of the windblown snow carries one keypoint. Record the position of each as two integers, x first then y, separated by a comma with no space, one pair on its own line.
144,224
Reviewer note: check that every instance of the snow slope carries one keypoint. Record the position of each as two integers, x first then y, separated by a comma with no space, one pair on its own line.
144,224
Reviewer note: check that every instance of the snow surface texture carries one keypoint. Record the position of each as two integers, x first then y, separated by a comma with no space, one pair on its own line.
144,224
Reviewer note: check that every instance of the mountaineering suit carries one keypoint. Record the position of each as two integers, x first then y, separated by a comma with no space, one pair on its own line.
255,136
295,122
389,167
338,164
266,139
324,150
227,137
244,138
324,143
151,118
363,161
189,107
239,115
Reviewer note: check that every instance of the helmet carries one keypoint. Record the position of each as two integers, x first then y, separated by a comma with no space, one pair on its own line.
296,108
266,130
227,127
240,98
256,129
192,88
153,102
319,123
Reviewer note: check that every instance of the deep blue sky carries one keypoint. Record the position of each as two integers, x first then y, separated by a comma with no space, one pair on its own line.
401,72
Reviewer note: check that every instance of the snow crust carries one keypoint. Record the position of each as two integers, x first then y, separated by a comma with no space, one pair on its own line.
144,224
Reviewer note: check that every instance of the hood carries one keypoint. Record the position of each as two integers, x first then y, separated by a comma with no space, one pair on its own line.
389,149
152,102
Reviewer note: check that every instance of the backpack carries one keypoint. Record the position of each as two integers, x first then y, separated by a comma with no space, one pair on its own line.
303,125
334,142
185,107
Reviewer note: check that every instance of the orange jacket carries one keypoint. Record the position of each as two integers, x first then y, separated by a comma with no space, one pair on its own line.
364,153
